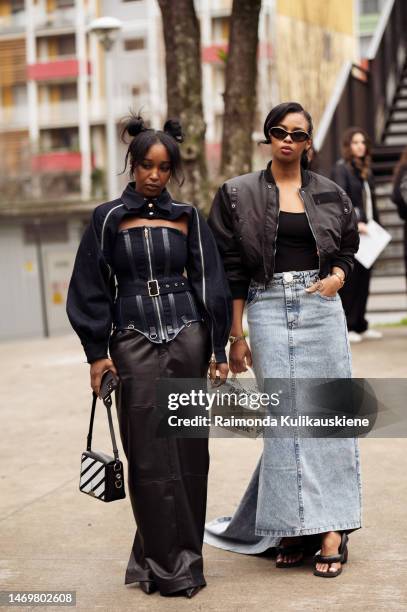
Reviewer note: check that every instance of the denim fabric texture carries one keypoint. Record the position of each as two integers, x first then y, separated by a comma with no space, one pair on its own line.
301,486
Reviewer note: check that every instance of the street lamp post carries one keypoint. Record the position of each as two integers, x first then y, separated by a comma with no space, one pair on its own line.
107,28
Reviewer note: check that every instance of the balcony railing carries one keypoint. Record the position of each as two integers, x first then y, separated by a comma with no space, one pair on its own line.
213,53
59,68
59,18
15,22
57,161
66,112
13,117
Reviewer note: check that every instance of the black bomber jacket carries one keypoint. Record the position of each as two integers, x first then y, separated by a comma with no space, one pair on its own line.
92,290
244,219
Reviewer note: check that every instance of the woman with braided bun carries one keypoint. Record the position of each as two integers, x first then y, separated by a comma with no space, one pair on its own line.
140,289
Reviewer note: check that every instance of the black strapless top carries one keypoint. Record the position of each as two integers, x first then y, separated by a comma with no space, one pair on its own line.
153,296
296,248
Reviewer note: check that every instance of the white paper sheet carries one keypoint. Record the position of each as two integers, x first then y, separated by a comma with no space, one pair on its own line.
372,244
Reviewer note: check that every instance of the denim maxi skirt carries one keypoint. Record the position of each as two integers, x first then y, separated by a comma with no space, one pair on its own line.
301,486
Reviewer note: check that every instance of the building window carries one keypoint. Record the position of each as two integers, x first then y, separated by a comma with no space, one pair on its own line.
370,7
64,4
134,44
66,45
60,139
68,91
220,29
17,6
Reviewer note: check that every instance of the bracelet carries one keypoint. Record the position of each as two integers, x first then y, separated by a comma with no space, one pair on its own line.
233,339
340,278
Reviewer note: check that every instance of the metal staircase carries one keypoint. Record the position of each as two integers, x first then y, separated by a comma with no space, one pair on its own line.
374,97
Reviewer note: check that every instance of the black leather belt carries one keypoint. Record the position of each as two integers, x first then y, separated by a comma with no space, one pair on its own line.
154,287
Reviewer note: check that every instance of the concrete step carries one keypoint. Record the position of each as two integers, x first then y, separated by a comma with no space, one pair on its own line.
389,217
384,202
383,167
399,104
393,139
399,115
395,126
384,189
387,303
388,296
389,266
388,285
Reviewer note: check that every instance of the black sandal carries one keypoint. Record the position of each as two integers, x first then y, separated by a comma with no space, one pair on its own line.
341,557
290,550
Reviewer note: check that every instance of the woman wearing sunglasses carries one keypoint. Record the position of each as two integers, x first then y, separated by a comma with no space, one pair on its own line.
288,237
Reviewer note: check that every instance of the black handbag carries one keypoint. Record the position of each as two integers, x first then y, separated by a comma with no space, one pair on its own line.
102,475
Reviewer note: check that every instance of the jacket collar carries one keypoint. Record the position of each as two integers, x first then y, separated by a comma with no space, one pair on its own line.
305,175
132,199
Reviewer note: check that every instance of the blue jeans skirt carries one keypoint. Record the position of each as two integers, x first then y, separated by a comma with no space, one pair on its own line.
301,485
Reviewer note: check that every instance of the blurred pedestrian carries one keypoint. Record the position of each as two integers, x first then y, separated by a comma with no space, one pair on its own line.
353,173
129,276
399,196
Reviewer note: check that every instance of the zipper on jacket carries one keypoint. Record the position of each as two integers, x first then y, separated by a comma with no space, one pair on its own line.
312,230
102,238
154,298
203,280
275,242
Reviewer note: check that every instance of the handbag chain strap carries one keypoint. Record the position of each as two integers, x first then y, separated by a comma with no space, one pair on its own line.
108,403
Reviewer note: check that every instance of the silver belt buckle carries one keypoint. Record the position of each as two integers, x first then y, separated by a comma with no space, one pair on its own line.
156,290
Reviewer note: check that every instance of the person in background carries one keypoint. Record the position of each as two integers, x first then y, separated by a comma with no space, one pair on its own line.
399,196
353,173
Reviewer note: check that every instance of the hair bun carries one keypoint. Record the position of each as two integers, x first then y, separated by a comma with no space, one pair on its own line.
135,125
174,129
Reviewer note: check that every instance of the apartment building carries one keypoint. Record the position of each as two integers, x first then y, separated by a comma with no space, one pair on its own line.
53,145
52,113
53,139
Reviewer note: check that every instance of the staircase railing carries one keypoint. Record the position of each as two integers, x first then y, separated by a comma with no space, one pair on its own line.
363,94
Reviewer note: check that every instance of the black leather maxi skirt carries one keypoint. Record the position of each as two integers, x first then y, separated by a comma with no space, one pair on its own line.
167,476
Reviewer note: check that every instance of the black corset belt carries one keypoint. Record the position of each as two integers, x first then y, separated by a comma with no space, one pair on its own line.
155,287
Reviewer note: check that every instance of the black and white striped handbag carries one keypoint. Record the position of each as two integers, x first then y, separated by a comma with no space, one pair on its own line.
102,475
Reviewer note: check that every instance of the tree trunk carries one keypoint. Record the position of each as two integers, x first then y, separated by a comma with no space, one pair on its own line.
184,92
240,88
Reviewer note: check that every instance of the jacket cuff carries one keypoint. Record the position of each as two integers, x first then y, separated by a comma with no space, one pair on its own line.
360,215
94,352
239,289
220,356
343,265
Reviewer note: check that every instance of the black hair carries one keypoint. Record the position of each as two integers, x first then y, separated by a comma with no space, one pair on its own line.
277,114
144,137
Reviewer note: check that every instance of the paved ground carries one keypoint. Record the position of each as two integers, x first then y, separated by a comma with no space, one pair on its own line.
54,538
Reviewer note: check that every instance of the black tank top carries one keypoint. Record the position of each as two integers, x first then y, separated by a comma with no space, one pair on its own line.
296,248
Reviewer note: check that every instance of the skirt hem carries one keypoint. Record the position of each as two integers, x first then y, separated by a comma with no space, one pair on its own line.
299,532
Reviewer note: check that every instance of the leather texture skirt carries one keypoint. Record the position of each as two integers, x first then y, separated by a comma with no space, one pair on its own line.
167,477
